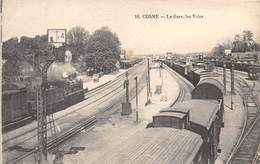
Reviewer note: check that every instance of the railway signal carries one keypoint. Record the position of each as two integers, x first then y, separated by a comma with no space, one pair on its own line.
56,37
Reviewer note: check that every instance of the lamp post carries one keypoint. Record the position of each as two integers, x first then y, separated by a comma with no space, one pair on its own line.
229,53
126,84
136,98
126,106
224,76
148,85
149,80
232,78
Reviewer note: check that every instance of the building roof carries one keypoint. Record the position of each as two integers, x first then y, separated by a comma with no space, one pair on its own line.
202,112
154,146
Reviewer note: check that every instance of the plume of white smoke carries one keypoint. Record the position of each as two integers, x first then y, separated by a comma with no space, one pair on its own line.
59,71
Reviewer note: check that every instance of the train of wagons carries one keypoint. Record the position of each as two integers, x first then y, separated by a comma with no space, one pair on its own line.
187,133
253,70
19,101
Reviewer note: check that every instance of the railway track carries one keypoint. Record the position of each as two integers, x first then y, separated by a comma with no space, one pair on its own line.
245,152
109,84
53,143
100,96
89,94
105,96
185,86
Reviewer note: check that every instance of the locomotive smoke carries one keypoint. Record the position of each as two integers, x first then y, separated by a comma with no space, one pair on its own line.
60,71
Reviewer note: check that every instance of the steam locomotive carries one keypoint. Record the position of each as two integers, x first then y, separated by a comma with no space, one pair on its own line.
19,98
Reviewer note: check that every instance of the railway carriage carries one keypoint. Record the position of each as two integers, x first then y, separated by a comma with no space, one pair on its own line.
155,146
202,117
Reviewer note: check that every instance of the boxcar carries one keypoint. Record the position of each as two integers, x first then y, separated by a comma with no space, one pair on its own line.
199,116
155,146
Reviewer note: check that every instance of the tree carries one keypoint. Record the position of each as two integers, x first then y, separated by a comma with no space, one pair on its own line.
218,51
239,44
248,39
11,56
104,45
255,47
248,35
10,49
77,40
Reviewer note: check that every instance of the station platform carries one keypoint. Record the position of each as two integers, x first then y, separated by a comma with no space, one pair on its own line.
234,121
89,83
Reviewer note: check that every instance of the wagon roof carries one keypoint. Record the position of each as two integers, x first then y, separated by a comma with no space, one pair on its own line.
202,112
171,114
155,145
210,80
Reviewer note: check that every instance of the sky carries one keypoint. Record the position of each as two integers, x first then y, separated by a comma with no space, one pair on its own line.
221,21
